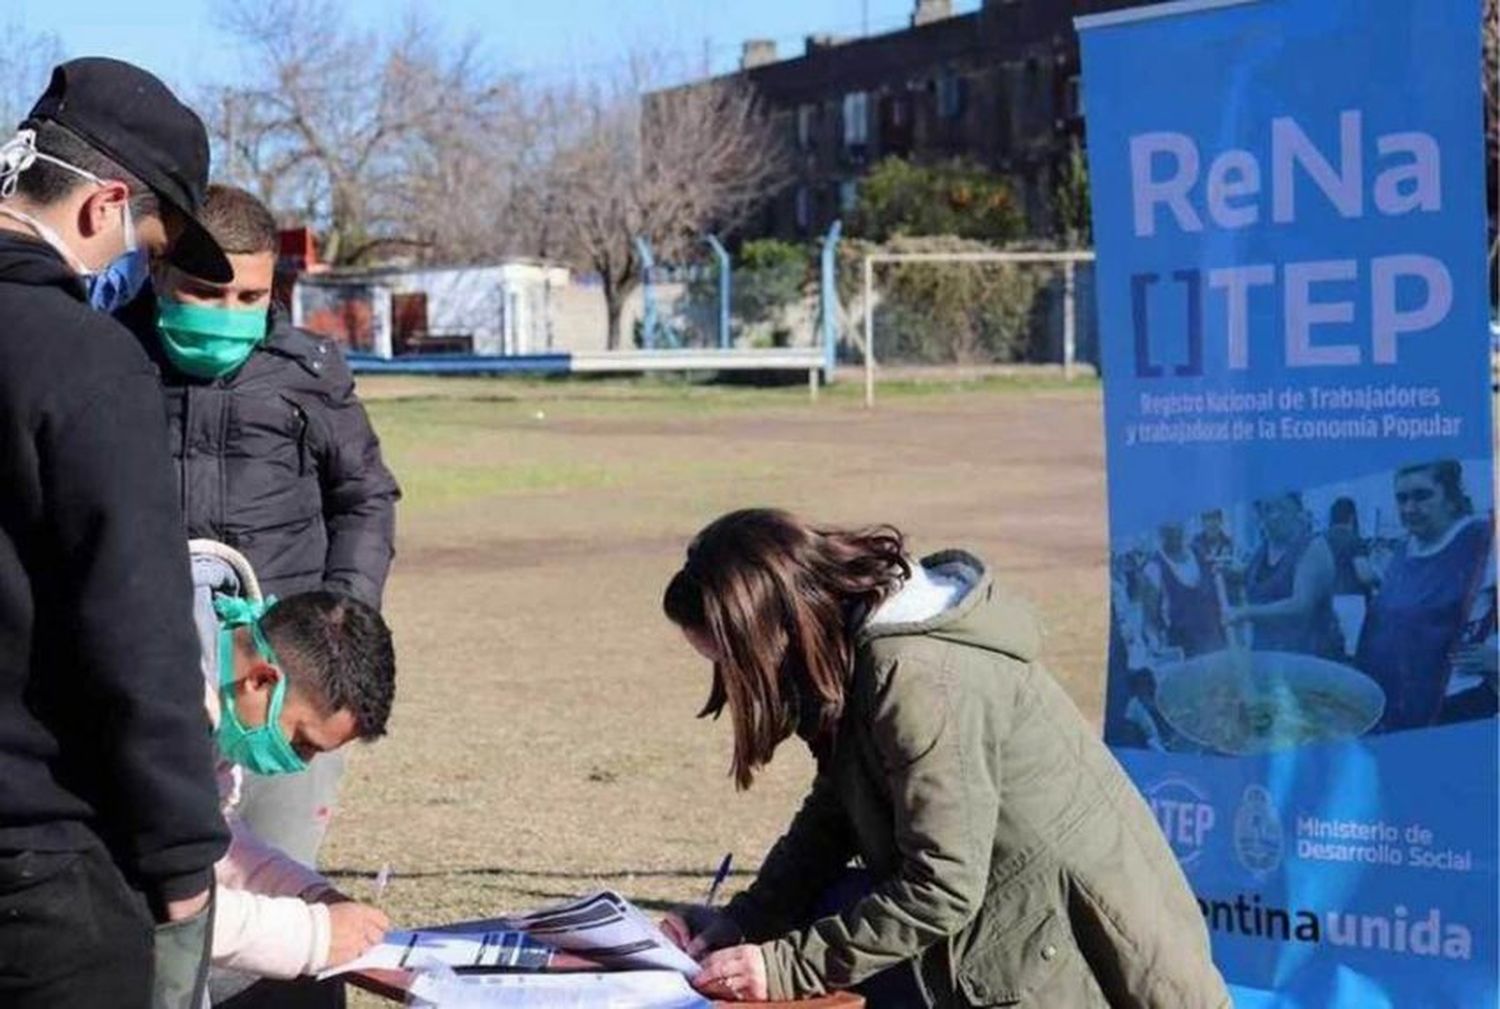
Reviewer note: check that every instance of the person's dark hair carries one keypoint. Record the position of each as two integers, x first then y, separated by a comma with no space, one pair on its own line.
238,221
1448,474
778,597
338,650
1343,512
45,183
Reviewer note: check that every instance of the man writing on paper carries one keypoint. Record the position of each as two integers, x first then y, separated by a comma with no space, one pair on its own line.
285,681
108,816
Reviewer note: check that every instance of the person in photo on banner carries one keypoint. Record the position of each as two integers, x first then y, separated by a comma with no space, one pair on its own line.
1354,577
1428,586
1009,860
1288,584
1188,608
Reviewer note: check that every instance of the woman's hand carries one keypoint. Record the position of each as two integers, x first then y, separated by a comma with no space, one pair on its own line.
736,974
675,928
697,929
1236,615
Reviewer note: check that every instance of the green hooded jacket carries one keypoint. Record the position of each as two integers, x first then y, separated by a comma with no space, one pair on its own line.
1018,864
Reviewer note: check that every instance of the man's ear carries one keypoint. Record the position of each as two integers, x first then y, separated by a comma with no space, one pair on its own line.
102,209
262,676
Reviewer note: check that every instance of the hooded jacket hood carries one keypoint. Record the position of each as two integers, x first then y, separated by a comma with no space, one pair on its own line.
984,616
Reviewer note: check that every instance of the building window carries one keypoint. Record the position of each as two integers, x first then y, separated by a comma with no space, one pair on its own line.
1073,97
950,96
804,126
856,118
848,195
803,208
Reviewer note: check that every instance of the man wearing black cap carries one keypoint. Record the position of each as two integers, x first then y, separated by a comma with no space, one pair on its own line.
109,817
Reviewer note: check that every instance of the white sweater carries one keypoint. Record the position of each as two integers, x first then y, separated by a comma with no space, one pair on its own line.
267,921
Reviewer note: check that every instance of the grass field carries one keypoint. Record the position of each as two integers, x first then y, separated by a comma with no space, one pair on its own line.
544,741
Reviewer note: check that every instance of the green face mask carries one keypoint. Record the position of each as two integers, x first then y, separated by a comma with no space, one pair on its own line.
262,750
206,341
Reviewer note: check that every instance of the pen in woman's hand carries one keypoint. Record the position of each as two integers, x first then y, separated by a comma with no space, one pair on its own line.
719,877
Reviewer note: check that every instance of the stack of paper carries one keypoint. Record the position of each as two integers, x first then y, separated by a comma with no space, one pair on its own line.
628,990
610,930
603,927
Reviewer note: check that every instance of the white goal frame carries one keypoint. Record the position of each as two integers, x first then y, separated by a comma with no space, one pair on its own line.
1068,259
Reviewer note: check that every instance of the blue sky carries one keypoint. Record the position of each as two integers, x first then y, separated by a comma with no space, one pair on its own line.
540,38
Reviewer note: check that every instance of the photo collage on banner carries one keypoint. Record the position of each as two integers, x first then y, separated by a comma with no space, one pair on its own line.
1289,205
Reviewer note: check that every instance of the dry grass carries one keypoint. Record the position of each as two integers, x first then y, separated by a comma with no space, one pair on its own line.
544,740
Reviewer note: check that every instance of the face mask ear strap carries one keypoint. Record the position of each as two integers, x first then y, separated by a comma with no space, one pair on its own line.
130,244
19,153
16,155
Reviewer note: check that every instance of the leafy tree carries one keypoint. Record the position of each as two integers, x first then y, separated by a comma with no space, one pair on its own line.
769,276
946,312
956,198
1071,215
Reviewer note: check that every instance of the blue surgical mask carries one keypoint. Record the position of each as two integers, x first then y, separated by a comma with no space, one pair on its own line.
122,281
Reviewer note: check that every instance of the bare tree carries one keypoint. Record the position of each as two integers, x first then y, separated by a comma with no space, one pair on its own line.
664,166
26,59
338,126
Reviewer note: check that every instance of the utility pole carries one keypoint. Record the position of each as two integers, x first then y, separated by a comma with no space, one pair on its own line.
864,12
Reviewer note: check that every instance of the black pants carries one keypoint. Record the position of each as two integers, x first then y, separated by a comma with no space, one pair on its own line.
304,993
73,935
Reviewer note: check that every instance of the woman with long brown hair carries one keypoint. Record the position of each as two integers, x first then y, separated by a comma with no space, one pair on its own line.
1010,861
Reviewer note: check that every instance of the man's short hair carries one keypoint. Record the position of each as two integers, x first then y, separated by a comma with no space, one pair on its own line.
238,221
338,651
45,183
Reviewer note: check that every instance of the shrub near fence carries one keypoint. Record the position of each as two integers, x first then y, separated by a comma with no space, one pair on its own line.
948,312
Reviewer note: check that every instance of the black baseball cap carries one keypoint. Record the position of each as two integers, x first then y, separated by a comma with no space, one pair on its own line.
126,113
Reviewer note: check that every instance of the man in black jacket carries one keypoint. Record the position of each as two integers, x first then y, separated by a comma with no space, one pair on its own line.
274,453
109,813
274,456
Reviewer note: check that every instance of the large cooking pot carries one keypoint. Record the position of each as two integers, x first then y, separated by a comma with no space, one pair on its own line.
1244,702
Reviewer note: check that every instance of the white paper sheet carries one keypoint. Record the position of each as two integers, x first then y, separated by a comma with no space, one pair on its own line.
626,990
604,927
401,950
608,928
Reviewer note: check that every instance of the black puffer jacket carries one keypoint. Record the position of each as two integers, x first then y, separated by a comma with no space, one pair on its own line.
279,461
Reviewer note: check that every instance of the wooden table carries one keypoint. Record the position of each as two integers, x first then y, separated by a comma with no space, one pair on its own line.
393,984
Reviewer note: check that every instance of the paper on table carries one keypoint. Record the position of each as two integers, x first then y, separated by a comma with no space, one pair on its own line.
607,928
493,950
603,927
626,990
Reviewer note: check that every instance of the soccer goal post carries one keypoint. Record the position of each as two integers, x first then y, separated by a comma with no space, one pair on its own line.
1067,260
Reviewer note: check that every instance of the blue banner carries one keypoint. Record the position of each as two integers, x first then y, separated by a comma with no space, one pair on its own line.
1290,218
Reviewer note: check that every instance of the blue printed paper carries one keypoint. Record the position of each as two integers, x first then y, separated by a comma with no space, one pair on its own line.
1290,216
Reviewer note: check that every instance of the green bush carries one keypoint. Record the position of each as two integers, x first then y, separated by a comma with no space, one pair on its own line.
956,198
769,276
946,313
